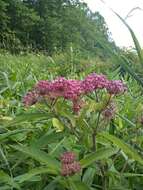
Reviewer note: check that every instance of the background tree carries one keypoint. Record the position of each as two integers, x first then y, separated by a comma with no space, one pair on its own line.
51,25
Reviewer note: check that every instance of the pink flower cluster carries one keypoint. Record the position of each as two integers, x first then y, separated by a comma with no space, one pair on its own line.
116,87
93,82
61,87
30,98
73,89
69,164
68,157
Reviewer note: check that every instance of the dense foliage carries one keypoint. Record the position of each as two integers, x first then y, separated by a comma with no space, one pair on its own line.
52,146
69,121
50,26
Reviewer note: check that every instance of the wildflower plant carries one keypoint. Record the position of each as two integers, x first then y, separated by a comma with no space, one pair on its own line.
76,134
73,134
81,109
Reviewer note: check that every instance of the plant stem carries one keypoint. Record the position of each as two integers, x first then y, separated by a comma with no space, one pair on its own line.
107,103
115,158
94,141
124,166
104,180
95,132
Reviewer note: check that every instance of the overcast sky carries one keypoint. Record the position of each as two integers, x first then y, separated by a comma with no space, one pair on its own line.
119,32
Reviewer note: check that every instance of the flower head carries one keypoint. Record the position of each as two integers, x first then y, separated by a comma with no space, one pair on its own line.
70,169
93,82
60,87
116,87
69,165
43,87
68,157
30,98
72,90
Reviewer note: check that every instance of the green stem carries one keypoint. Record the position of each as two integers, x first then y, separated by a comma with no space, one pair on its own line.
94,141
95,132
104,180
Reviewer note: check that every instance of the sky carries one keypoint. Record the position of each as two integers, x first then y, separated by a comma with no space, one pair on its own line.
119,32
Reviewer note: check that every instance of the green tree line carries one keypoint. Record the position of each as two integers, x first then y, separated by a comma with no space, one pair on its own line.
51,25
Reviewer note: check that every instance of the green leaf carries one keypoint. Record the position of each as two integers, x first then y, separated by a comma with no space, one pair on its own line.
58,145
40,156
28,117
63,110
53,184
131,175
122,145
139,139
37,171
57,124
7,81
14,132
122,60
5,178
125,64
88,176
126,119
135,40
98,155
48,138
77,185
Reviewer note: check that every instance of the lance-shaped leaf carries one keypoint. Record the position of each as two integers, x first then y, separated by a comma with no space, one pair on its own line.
127,149
101,154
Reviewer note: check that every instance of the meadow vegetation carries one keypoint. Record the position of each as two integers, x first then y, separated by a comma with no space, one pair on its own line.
71,118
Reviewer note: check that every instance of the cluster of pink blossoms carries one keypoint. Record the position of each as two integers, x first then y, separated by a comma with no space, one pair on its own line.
93,82
73,89
69,164
30,98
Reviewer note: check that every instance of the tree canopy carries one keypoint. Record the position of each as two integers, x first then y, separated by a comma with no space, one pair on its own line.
50,25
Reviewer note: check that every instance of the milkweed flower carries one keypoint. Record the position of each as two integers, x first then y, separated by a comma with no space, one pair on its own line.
93,82
68,88
69,164
73,90
70,169
30,98
68,157
116,87
43,87
60,87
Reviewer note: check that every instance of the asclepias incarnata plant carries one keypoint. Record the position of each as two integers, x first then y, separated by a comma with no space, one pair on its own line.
85,108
